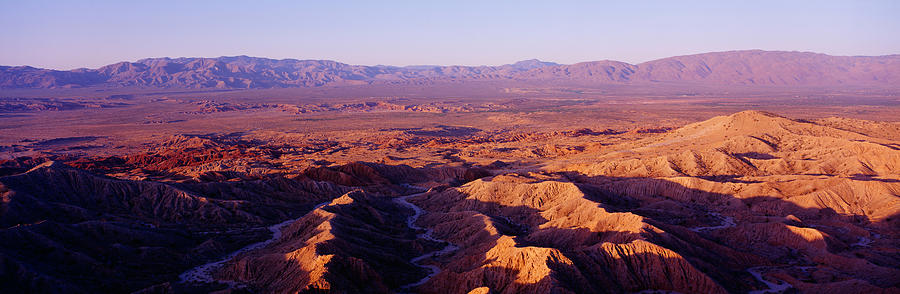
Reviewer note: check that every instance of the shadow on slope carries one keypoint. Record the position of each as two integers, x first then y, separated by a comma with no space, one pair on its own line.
357,243
780,232
70,230
673,250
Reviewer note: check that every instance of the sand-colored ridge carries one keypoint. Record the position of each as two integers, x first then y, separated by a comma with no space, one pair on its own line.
741,203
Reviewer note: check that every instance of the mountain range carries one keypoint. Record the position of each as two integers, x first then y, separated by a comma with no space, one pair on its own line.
750,67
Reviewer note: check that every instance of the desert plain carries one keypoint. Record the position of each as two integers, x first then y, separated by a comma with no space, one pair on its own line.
442,186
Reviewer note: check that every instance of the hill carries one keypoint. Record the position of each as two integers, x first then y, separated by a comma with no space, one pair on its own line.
752,67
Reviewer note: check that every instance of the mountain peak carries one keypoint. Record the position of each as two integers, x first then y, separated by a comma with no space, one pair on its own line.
749,68
754,114
744,122
532,63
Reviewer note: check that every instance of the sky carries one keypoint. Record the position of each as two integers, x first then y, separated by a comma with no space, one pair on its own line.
76,34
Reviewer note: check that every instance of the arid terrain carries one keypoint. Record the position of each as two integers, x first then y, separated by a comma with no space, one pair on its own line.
168,176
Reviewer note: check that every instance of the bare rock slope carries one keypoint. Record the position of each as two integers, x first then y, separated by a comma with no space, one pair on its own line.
745,202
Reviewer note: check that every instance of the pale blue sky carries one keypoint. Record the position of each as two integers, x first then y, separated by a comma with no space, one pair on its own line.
72,34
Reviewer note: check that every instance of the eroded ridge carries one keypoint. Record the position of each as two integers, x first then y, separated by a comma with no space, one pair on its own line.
750,202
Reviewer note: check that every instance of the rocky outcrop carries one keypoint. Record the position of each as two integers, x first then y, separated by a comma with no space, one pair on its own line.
55,191
522,235
357,243
67,230
750,143
745,202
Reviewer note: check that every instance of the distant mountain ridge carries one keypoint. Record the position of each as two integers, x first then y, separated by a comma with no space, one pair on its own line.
750,67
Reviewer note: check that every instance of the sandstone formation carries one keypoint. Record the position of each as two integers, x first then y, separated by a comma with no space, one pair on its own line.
356,243
750,201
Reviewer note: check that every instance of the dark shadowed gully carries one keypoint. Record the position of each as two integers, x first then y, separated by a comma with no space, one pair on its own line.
750,202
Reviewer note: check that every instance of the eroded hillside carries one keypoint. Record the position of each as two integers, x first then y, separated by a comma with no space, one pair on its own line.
751,201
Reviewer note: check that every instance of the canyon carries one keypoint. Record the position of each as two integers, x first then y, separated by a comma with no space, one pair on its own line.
246,175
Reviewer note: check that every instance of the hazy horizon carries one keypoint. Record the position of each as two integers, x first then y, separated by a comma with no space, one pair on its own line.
688,146
97,33
413,65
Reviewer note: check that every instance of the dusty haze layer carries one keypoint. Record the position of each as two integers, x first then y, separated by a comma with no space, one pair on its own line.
451,187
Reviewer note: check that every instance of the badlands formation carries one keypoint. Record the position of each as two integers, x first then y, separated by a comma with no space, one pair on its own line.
750,202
